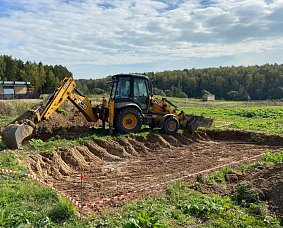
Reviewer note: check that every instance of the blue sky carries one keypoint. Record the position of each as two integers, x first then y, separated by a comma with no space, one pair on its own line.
97,38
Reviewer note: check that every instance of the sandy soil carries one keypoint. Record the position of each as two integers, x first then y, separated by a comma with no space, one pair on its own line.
113,167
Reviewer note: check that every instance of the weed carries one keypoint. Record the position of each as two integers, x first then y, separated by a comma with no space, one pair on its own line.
146,219
178,191
273,158
246,195
197,184
201,205
60,110
218,176
63,210
14,108
256,165
34,143
51,144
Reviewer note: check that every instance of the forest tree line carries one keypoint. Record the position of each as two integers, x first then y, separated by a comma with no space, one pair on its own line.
45,78
227,83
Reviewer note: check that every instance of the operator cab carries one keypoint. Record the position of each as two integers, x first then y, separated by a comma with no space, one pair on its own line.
131,88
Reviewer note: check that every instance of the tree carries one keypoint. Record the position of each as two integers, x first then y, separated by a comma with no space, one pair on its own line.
205,92
2,68
233,95
12,69
157,91
41,77
51,82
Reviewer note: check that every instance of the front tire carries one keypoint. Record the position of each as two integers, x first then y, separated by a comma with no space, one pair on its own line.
171,125
128,120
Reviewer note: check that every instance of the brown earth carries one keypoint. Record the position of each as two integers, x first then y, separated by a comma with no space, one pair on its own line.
116,167
61,126
267,183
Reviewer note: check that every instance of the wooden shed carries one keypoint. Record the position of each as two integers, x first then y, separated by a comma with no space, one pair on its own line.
207,97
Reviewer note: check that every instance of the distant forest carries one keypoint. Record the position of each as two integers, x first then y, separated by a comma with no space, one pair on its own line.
45,78
227,83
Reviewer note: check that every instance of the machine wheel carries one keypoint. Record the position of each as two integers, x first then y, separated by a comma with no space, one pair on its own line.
171,125
128,120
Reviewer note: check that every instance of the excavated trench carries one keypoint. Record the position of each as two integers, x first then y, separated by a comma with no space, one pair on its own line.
116,167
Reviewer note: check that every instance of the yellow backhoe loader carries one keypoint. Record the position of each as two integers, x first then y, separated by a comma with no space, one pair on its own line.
131,105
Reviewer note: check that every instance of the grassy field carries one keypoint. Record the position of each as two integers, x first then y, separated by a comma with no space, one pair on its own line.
25,203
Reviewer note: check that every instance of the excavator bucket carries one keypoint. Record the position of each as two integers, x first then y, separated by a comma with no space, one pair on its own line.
18,130
14,134
197,121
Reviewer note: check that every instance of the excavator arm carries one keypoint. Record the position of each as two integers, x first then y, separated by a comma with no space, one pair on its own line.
60,94
24,126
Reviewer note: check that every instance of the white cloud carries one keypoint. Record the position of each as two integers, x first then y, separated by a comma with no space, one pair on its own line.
119,32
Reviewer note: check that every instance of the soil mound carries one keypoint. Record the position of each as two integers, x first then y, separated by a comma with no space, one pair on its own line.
69,126
270,182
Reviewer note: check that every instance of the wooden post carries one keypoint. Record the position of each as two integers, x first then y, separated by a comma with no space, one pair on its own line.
82,177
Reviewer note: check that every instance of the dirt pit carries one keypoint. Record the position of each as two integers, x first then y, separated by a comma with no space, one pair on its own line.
116,167
113,168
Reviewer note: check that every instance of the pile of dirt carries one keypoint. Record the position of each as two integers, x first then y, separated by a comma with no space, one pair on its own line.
270,182
67,125
266,182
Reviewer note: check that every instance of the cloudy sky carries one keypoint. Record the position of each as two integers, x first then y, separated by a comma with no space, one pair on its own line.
97,38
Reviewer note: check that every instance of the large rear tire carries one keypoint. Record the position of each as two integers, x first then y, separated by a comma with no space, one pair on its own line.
128,120
171,125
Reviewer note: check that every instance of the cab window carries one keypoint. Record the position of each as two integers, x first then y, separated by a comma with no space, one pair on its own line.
140,88
141,93
123,88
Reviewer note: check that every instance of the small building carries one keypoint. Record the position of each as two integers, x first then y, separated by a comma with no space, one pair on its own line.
207,97
10,90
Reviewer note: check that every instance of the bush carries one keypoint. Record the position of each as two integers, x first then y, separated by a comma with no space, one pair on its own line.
98,91
182,95
205,92
168,93
157,91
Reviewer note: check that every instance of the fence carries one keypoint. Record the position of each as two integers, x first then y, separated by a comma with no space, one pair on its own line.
19,96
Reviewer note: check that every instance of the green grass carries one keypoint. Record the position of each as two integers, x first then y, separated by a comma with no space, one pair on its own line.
26,203
14,108
259,119
183,207
50,144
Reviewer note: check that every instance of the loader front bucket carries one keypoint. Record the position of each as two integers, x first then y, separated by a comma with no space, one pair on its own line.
14,134
198,121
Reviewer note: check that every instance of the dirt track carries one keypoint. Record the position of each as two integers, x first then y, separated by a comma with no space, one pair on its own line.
113,167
